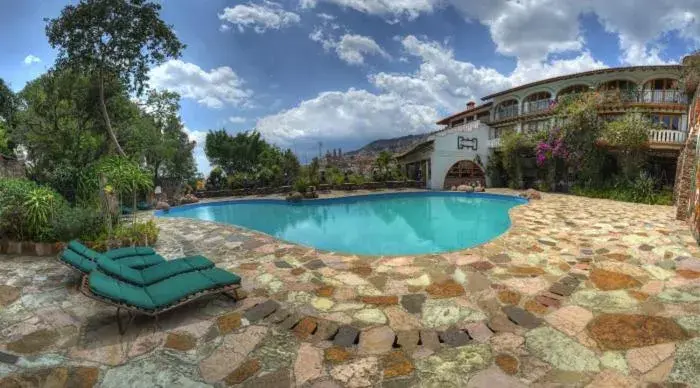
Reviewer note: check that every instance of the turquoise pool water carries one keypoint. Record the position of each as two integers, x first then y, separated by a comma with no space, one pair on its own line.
383,224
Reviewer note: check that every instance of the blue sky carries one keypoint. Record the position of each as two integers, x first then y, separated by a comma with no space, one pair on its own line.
346,72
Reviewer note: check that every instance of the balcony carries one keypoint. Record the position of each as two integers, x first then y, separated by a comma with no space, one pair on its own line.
667,137
537,106
644,97
495,143
506,112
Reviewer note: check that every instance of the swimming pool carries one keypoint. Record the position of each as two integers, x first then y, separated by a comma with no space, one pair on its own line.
381,224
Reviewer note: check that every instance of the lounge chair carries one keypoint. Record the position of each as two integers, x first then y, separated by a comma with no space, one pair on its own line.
157,298
139,277
134,257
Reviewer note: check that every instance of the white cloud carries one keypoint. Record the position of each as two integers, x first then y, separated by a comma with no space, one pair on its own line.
260,17
325,16
409,9
530,30
237,119
31,59
350,115
200,157
350,48
214,89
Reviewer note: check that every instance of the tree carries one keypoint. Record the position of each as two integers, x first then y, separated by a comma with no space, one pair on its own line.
383,160
239,153
629,135
8,107
113,40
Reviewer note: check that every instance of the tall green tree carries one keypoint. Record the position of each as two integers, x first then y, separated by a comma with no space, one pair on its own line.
234,154
8,107
113,40
383,160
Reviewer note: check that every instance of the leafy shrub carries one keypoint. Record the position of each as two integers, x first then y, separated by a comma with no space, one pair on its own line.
641,190
27,210
78,222
127,234
301,184
357,179
216,179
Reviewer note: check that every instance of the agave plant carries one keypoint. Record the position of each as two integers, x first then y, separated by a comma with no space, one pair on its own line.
40,207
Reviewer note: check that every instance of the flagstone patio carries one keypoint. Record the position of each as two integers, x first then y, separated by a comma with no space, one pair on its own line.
579,292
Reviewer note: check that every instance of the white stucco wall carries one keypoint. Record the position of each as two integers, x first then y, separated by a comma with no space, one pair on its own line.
446,151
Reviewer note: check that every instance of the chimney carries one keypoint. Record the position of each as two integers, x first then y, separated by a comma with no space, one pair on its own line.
471,104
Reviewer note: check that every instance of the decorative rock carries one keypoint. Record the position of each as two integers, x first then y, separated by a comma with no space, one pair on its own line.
163,206
570,320
34,342
336,355
380,300
322,304
500,258
7,358
8,294
277,317
612,379
151,372
325,291
645,359
479,332
421,281
448,289
614,360
305,328
454,337
687,364
452,367
309,364
501,323
560,351
509,297
481,265
396,364
429,339
408,340
439,313
346,336
608,280
622,331
180,341
282,264
315,264
522,317
493,377
231,354
507,363
371,316
401,320
606,301
228,322
562,289
262,310
413,303
248,369
360,373
290,322
377,340
535,307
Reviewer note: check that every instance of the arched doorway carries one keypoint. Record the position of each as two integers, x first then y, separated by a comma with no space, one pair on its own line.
464,172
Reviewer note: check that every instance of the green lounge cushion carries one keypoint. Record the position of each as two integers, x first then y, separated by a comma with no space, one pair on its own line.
119,292
141,262
221,277
171,290
119,253
171,268
78,261
120,271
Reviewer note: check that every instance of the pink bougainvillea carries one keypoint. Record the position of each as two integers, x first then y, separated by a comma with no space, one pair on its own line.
553,147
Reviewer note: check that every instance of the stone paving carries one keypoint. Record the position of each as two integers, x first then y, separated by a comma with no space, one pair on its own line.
579,292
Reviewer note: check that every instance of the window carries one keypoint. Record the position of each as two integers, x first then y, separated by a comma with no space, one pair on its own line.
507,109
537,102
672,122
500,131
538,125
618,85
